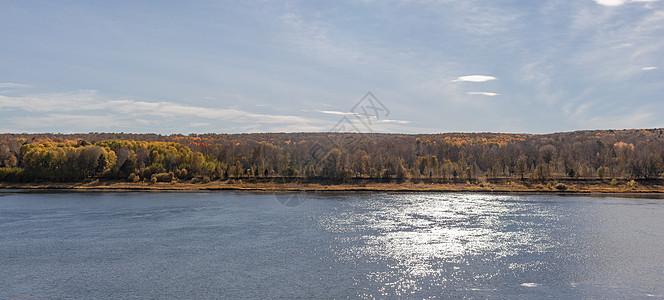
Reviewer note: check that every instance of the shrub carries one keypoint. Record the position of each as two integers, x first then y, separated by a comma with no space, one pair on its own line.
182,173
11,174
164,177
133,177
206,179
561,186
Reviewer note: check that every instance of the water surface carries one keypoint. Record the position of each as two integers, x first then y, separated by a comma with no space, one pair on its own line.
374,245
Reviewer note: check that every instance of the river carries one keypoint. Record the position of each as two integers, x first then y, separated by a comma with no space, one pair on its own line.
333,245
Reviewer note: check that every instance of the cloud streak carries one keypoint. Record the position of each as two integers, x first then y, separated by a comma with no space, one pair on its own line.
362,116
483,93
474,78
173,110
334,112
87,107
619,2
394,121
12,85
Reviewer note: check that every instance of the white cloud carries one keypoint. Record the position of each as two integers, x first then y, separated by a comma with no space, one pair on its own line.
86,110
80,100
619,2
293,128
73,122
171,109
4,85
482,93
394,121
474,78
649,68
334,112
87,107
611,2
326,104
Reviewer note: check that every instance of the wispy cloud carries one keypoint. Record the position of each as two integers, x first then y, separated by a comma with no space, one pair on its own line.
334,112
313,38
172,110
88,107
4,85
619,2
341,113
548,60
394,121
471,16
482,93
72,122
615,50
637,119
79,100
474,78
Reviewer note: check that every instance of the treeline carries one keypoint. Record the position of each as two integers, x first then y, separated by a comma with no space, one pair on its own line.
333,157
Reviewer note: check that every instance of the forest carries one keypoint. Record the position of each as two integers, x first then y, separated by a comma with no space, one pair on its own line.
333,157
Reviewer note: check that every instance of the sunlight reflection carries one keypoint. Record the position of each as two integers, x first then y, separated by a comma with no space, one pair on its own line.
424,236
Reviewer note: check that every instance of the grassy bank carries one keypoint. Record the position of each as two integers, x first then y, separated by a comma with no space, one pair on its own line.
506,187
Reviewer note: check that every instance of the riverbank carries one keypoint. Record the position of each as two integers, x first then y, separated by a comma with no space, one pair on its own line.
508,187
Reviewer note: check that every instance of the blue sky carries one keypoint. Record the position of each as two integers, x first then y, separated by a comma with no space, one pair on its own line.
254,66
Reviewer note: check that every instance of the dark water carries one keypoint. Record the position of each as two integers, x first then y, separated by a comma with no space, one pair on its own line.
247,245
